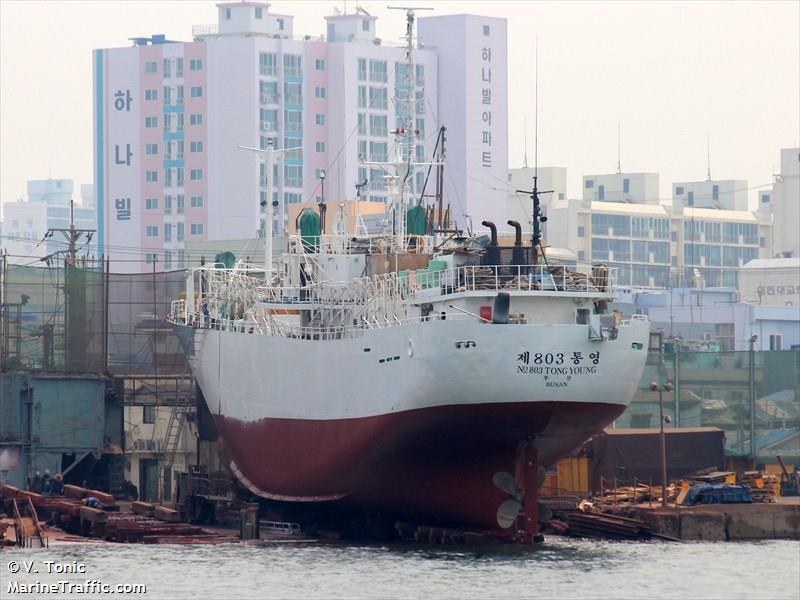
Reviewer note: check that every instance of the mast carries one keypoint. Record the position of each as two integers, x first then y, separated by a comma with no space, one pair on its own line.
269,205
537,217
403,178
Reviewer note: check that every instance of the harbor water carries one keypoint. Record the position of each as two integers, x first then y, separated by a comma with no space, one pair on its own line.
560,568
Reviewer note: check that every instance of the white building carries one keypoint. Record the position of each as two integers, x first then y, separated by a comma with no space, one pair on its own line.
636,188
47,207
783,202
473,105
654,244
169,117
771,281
727,194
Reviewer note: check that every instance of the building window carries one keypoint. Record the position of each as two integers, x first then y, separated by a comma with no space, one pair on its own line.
196,64
196,202
292,65
626,186
362,124
319,92
167,68
765,198
362,151
167,233
320,146
268,92
364,25
179,201
148,415
486,30
679,190
362,96
195,146
588,184
151,203
293,93
690,198
378,125
151,122
319,64
151,231
228,14
581,255
362,69
151,94
196,174
197,91
181,228
775,341
280,24
167,259
268,63
167,205
319,119
293,120
151,176
151,149
259,12
378,98
715,192
601,192
293,176
581,231
197,229
151,67
378,152
378,71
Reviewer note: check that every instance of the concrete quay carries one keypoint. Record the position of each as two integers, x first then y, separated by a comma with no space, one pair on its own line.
723,522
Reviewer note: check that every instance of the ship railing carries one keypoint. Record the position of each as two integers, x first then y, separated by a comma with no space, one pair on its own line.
376,243
589,279
318,333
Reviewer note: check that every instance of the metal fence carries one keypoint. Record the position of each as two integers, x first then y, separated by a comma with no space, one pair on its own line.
753,396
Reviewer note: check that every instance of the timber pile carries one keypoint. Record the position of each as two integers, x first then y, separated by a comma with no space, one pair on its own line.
637,494
147,523
607,526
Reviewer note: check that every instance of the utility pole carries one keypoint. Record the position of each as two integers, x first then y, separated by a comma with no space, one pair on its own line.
72,235
667,387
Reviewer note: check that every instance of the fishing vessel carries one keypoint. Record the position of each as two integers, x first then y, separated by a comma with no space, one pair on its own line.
428,376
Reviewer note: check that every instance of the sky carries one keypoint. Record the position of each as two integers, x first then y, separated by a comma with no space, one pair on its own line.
668,74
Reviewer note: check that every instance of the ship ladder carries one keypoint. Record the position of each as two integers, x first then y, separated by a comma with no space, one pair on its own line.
170,448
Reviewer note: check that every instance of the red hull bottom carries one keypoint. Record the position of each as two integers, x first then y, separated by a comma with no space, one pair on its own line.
434,465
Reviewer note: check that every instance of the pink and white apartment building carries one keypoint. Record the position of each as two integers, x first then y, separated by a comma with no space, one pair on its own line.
169,118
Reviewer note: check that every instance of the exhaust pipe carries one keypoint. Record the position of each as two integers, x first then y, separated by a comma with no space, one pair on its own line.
518,229
493,229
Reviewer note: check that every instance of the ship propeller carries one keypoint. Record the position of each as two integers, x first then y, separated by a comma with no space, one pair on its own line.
509,510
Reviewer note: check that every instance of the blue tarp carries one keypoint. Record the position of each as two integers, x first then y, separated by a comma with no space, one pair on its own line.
720,493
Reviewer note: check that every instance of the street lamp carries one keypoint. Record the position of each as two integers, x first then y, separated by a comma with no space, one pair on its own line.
667,387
